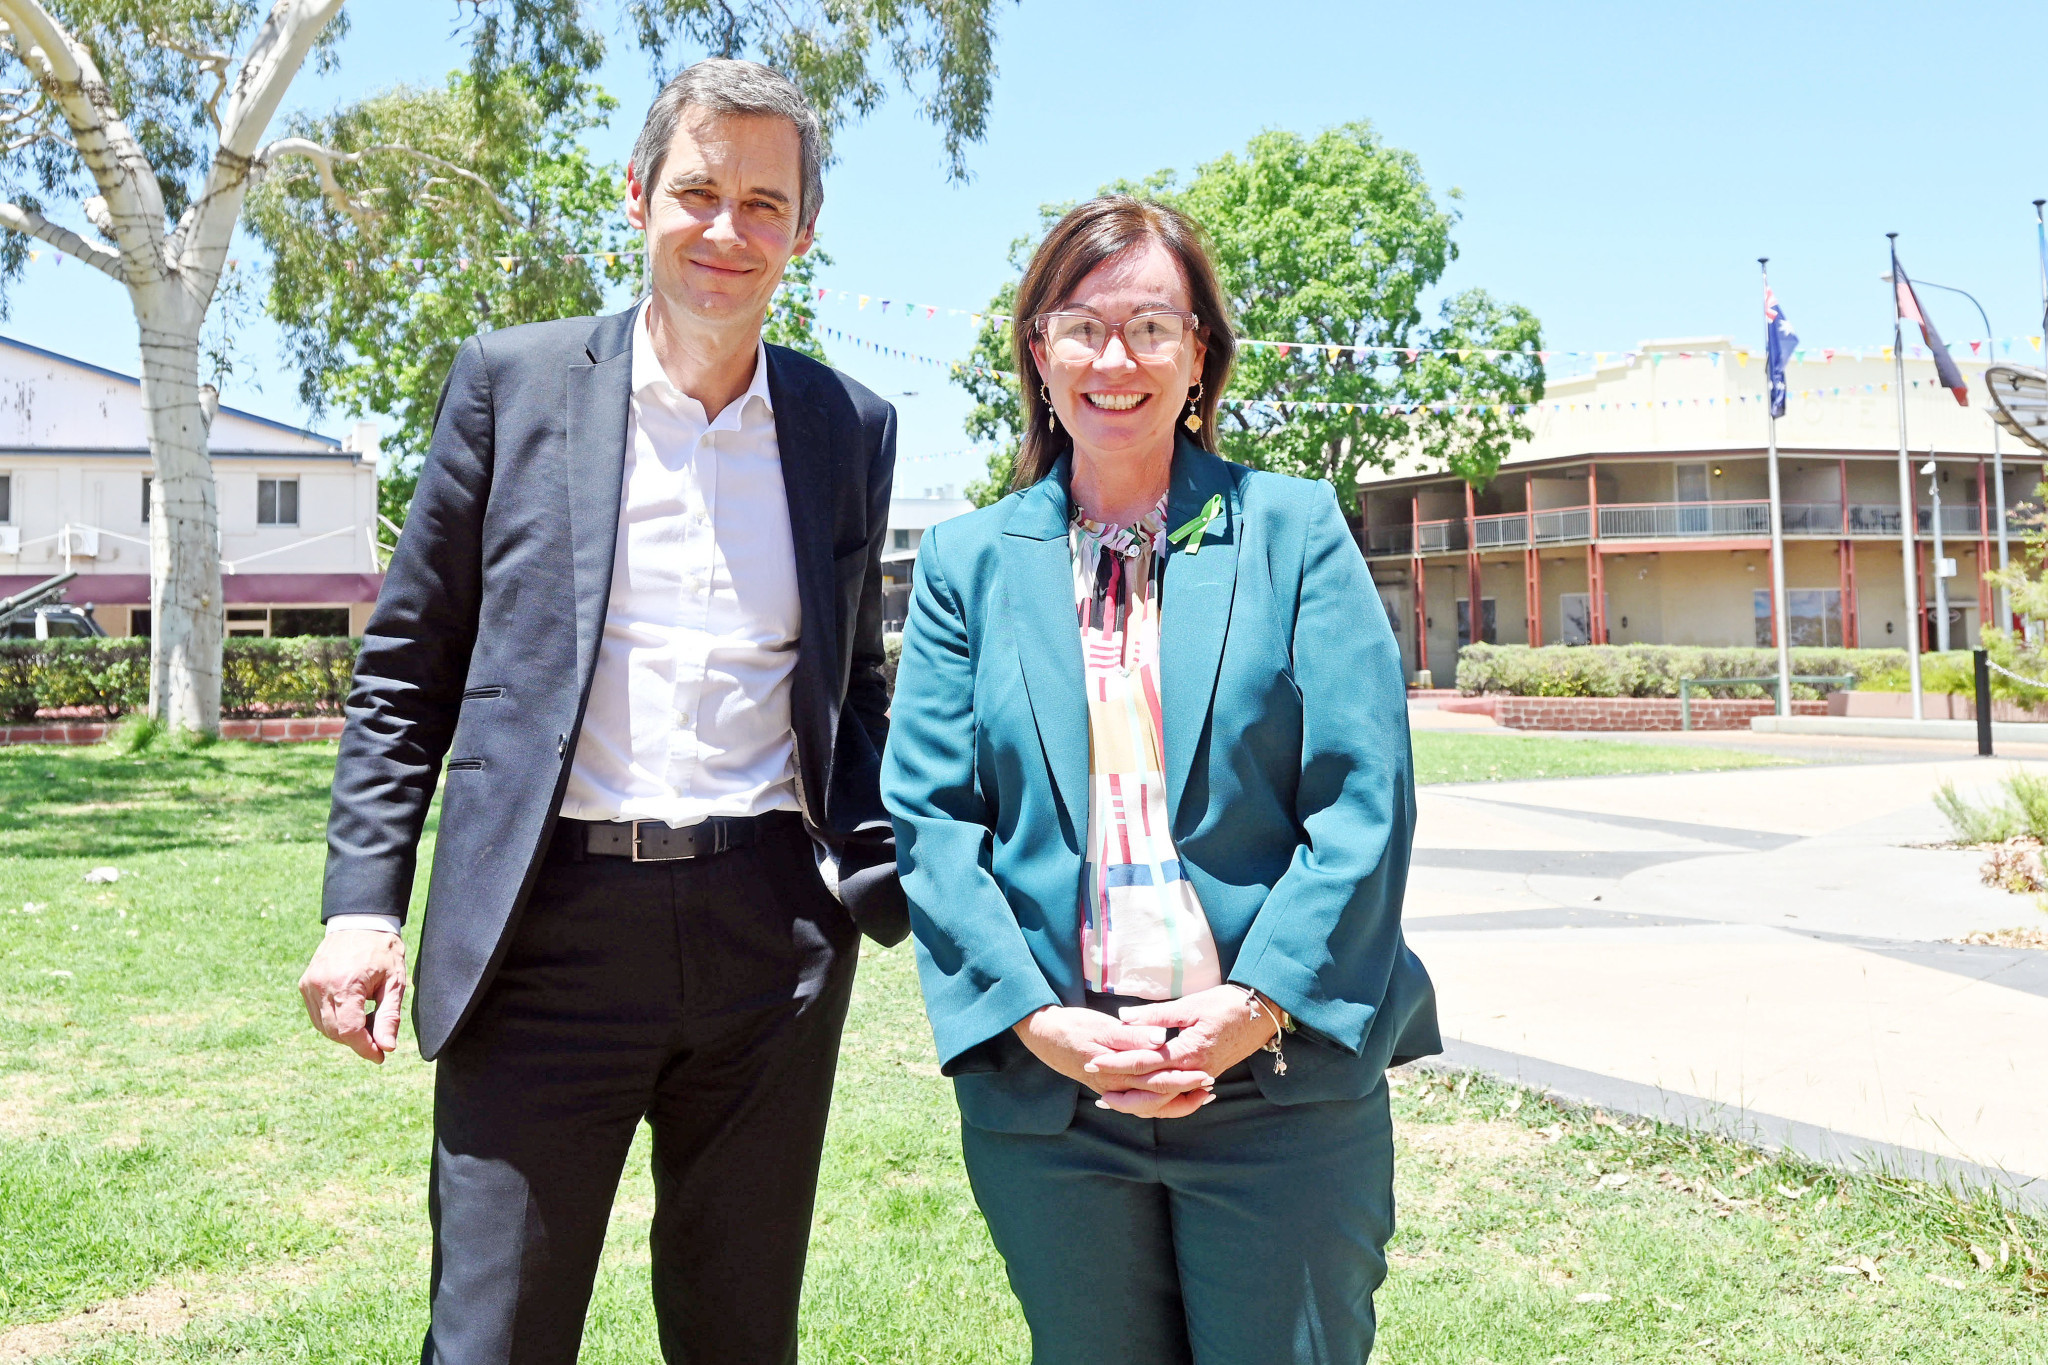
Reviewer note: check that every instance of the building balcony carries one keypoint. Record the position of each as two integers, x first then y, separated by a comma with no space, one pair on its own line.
1672,521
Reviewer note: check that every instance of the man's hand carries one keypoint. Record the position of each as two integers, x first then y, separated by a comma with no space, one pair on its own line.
1218,1029
351,969
1072,1041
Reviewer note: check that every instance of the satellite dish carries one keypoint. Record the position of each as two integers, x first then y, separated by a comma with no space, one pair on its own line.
2019,402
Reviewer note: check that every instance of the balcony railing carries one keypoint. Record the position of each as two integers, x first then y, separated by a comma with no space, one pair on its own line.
1563,523
1435,537
1389,540
1813,518
1495,532
1669,521
1684,520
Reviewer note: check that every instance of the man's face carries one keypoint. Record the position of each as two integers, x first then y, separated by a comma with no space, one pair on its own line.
721,220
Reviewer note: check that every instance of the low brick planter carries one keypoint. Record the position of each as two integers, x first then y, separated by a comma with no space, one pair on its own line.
270,729
1619,713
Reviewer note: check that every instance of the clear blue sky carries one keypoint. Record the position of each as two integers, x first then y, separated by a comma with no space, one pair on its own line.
1622,165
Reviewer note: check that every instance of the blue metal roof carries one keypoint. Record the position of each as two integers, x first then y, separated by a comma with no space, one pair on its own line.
131,379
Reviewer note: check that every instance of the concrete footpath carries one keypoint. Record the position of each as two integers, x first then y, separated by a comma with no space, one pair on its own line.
1760,951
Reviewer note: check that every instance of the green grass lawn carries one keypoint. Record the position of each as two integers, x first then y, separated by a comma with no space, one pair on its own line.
179,1150
1450,756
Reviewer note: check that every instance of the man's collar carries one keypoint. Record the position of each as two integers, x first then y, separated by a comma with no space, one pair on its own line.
647,371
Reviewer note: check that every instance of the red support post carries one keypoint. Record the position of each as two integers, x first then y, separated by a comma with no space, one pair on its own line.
1851,630
1475,579
1421,576
1846,564
1532,590
1596,597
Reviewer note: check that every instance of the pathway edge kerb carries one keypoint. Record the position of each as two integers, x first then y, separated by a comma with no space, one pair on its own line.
1844,1151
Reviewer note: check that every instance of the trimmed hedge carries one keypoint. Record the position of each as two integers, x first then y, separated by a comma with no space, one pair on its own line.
300,676
1651,670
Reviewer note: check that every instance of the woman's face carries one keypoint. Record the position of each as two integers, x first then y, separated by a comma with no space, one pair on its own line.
1118,404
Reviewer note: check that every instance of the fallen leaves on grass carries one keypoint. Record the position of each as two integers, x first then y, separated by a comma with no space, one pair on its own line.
100,876
1859,1265
1592,1298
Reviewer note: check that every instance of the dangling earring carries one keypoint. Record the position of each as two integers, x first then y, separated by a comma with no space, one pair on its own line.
1052,421
1194,421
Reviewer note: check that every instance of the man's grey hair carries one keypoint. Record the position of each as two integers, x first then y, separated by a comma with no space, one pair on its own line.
721,85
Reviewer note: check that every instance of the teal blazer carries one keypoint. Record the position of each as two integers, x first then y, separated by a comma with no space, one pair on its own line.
1289,783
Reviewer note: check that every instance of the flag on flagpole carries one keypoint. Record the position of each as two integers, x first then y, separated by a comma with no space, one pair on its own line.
1779,340
1910,311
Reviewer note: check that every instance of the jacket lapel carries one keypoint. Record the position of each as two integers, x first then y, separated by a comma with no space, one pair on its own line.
810,484
1038,578
1195,615
600,393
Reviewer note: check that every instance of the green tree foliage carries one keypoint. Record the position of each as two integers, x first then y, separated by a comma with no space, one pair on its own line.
997,415
837,51
484,220
1338,241
793,318
143,122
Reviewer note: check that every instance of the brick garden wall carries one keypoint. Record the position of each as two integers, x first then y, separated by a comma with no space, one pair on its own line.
1619,713
92,732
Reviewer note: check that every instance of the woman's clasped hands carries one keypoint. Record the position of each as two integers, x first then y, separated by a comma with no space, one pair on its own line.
1131,1063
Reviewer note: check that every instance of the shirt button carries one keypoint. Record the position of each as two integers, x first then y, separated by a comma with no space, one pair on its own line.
682,719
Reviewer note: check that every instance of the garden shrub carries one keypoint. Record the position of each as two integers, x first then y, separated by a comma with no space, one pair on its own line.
300,676
1651,670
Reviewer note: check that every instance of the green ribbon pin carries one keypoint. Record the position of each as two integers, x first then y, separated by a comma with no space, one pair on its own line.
1198,525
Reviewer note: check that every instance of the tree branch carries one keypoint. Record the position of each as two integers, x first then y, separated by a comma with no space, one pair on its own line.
214,64
65,70
325,159
267,71
30,223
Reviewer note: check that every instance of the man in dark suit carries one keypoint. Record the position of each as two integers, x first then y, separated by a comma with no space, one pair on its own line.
637,607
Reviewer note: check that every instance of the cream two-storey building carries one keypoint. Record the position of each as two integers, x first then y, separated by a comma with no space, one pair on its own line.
1638,511
298,510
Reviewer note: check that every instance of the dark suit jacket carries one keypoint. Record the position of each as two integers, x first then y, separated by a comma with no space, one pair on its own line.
484,642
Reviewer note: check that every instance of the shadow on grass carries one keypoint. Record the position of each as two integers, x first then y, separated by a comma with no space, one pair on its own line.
101,801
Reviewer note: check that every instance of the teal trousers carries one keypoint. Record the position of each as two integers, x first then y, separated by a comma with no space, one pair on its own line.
1248,1233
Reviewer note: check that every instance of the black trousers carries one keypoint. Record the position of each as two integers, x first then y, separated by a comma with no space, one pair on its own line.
705,996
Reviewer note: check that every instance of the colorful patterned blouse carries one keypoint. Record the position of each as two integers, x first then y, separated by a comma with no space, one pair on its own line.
1143,932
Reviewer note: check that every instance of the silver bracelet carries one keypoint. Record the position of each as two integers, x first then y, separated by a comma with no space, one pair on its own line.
1281,1023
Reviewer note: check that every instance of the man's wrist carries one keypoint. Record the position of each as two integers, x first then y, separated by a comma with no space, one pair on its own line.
389,924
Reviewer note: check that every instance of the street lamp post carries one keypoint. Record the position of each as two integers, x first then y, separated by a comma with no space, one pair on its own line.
1997,463
1940,563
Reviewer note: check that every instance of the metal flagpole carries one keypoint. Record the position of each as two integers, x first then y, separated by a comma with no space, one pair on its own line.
2041,237
2004,556
1908,517
1779,613
1940,565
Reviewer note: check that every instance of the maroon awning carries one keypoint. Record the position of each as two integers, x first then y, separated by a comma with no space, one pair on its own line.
132,589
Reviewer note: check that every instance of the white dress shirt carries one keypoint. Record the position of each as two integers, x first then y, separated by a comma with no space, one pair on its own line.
689,707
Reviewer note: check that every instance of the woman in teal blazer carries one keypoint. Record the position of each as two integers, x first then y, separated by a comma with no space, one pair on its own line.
1227,1196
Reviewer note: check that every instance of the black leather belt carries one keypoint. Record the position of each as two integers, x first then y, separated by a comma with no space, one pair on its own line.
652,841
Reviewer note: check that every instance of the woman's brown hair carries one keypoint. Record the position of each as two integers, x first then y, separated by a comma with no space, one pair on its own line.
1092,233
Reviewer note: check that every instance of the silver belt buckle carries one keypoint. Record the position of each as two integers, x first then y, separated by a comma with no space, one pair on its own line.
688,834
636,845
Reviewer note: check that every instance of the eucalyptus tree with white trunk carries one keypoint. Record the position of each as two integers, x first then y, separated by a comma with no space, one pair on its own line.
66,120
148,119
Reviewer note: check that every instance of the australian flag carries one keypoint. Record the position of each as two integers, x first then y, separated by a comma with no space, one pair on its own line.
1779,339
